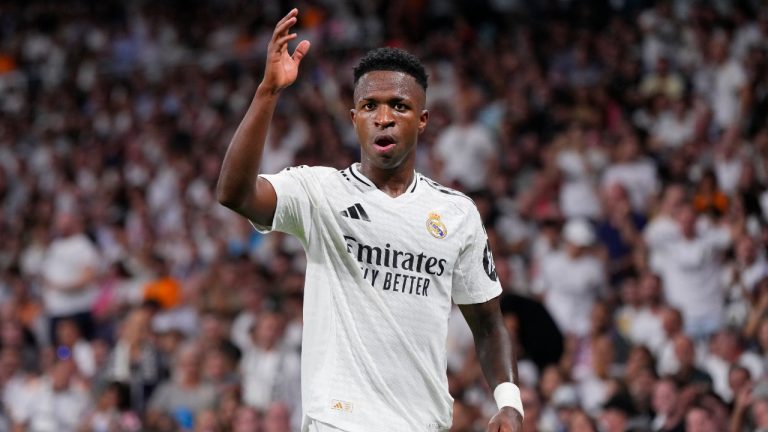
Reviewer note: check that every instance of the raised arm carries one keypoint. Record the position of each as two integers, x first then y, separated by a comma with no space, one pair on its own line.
494,351
240,188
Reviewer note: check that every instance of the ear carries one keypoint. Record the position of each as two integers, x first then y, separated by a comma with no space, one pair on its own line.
423,120
352,114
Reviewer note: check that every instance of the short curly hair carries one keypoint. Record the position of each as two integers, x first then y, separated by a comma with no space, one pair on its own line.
391,59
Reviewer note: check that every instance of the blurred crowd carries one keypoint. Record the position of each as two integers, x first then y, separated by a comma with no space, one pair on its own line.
617,151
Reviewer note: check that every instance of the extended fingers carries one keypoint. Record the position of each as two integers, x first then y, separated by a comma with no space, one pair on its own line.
284,24
279,43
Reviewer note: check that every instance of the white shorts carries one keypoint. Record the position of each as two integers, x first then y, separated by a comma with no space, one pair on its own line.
316,426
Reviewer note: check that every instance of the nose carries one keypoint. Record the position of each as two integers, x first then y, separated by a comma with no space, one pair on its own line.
383,118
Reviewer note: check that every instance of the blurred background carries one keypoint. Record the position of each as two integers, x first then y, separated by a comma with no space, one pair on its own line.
617,151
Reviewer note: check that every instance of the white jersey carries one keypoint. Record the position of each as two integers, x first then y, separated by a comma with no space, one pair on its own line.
381,273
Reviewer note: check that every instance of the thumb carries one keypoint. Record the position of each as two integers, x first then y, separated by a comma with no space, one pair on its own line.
301,50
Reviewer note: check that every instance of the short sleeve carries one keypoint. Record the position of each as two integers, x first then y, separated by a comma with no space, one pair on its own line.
474,276
293,210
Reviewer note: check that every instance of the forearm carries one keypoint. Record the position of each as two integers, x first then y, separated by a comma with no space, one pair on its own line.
240,168
492,342
497,360
495,354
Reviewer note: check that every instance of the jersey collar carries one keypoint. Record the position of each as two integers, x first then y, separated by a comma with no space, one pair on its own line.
354,176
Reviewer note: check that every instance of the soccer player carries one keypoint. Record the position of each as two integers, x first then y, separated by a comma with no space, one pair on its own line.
387,251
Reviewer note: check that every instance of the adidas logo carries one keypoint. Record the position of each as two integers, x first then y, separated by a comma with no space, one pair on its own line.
344,406
356,212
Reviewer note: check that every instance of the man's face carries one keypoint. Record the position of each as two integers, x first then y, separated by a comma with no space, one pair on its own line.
388,117
613,420
698,420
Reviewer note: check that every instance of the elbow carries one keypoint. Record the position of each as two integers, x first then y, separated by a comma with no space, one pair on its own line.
228,201
228,198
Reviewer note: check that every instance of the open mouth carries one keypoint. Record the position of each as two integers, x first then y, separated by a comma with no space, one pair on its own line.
384,143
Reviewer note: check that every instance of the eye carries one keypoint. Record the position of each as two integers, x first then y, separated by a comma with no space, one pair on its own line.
400,106
369,106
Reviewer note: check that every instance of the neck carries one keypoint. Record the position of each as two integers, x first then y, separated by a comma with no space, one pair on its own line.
393,182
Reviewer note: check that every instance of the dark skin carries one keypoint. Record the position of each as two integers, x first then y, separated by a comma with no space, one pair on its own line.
388,116
494,351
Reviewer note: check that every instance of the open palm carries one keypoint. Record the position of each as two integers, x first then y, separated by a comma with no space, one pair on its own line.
282,68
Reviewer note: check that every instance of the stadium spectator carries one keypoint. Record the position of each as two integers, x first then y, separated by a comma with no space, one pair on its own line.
619,232
580,421
277,418
672,326
699,419
570,300
70,342
466,150
691,275
578,164
58,400
634,172
112,411
270,371
667,406
616,414
69,271
247,419
646,327
727,351
662,228
135,359
687,370
184,395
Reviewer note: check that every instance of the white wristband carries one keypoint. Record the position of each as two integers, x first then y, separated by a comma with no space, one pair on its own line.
508,394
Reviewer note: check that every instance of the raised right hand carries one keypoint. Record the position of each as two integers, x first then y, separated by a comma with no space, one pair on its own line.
281,68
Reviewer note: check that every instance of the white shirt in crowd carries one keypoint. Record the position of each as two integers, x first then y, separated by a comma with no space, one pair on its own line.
578,195
465,151
718,369
240,332
739,283
639,179
280,154
660,232
270,376
66,261
728,172
381,275
14,398
82,354
691,275
674,130
729,79
570,299
44,410
647,329
666,359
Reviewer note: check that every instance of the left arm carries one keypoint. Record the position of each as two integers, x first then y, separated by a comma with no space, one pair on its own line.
497,360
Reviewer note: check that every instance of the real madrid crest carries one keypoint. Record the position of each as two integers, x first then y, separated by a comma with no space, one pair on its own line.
435,226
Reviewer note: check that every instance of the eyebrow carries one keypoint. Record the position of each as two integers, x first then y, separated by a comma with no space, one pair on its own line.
389,100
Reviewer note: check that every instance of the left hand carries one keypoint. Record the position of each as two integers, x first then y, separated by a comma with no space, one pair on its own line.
506,420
